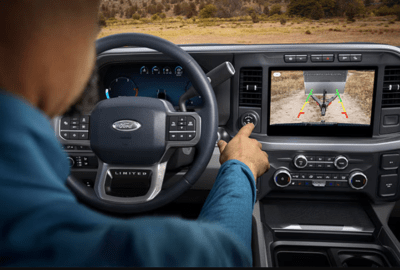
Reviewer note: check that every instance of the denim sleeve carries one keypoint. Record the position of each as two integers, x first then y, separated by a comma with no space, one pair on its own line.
46,226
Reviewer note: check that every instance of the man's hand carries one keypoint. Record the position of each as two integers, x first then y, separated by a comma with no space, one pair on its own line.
246,150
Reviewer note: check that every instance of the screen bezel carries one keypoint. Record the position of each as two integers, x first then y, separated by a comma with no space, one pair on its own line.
325,131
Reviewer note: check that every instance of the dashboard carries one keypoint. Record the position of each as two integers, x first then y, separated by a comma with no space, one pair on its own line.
328,115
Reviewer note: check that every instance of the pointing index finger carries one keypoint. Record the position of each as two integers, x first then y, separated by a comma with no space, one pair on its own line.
246,130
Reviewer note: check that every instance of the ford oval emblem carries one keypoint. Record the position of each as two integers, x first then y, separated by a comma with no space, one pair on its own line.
126,125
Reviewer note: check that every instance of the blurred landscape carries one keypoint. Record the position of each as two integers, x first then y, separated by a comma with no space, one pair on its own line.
255,21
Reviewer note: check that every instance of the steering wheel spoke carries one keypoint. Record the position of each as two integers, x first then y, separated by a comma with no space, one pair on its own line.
129,184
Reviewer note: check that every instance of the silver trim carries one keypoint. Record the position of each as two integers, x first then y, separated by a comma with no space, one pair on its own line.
230,68
126,125
354,174
285,172
337,166
323,228
296,158
157,179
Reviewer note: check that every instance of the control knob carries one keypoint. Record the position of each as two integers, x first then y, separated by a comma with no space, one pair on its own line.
71,161
358,180
249,117
282,178
341,162
300,161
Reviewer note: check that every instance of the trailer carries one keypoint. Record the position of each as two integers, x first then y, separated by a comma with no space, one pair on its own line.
324,82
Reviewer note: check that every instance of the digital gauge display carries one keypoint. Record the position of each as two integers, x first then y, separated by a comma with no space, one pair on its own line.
164,81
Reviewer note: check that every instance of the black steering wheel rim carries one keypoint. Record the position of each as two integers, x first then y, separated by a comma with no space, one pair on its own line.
209,124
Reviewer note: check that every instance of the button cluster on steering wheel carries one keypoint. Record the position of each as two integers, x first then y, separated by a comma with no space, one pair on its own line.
181,128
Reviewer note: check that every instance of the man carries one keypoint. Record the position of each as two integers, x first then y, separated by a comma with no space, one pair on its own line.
47,54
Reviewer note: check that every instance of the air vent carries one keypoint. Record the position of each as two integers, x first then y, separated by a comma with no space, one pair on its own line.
391,88
250,87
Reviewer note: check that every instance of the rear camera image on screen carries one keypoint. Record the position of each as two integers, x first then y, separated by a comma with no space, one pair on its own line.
321,97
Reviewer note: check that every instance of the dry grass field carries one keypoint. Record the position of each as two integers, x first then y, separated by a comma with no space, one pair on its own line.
269,31
360,85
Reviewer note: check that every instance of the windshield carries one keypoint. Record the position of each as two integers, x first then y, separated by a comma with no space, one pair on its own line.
255,21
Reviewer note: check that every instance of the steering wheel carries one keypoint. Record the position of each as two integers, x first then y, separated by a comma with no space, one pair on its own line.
133,137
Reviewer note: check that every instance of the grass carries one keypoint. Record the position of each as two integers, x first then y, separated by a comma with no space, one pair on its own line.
286,84
268,31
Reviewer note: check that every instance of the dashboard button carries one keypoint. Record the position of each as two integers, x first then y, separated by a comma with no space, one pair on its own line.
290,58
310,158
282,178
388,185
335,177
295,176
390,161
356,58
344,57
299,183
318,183
328,57
301,58
311,176
339,184
330,184
319,176
307,183
320,165
300,161
310,166
316,58
319,158
303,176
343,177
329,165
327,176
330,159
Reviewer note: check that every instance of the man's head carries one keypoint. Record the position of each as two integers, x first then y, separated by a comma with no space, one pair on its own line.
47,50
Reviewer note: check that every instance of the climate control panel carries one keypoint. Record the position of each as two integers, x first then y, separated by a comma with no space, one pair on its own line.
356,180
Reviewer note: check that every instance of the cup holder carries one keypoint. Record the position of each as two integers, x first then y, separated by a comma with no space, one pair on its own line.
362,260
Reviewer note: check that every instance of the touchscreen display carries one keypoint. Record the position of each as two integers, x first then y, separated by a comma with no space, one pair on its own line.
321,98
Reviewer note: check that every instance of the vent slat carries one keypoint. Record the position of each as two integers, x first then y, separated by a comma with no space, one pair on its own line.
252,77
391,88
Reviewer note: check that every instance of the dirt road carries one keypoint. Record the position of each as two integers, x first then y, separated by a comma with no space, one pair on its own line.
287,110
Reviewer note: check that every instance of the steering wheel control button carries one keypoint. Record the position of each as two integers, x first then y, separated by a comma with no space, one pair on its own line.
173,137
173,123
300,161
388,185
84,119
190,136
341,162
358,180
390,161
282,178
181,136
83,135
64,134
191,123
65,122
